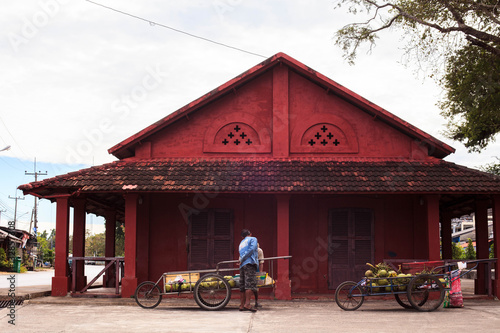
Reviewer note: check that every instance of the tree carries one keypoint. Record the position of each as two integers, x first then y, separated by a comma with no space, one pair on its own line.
46,246
95,245
456,251
470,252
462,34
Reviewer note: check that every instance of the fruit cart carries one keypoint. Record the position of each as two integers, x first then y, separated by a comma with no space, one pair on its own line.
211,287
423,291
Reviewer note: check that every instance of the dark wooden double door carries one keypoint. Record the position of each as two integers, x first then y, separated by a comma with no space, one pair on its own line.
350,244
210,238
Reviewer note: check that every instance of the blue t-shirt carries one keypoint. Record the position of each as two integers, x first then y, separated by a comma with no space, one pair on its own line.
248,251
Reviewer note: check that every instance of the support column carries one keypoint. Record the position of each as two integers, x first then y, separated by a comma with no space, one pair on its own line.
283,284
109,250
143,240
129,281
446,249
432,214
60,281
496,241
280,112
79,242
482,248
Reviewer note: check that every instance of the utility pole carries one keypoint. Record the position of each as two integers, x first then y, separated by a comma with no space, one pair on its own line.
36,174
15,209
2,211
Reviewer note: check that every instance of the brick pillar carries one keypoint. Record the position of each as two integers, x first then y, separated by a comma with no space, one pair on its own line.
283,284
129,281
446,250
79,242
432,214
482,249
60,281
496,247
109,250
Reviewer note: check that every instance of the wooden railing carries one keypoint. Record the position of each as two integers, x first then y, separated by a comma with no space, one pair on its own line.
117,262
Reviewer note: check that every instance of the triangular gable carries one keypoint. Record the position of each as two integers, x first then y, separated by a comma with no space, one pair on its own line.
436,147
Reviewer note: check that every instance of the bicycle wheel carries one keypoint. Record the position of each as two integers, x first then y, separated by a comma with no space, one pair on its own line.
148,295
425,293
212,292
349,296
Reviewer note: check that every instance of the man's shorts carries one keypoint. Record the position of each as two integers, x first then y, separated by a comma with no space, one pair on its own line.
248,278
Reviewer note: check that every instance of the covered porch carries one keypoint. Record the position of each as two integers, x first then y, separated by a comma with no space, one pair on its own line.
286,203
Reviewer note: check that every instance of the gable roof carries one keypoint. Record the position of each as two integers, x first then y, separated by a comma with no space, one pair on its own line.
436,147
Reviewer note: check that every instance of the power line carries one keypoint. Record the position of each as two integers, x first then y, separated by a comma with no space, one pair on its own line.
177,30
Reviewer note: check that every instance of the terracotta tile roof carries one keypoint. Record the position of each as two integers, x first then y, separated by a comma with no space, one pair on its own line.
297,176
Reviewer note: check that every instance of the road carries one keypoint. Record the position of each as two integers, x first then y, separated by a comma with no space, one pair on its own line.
44,277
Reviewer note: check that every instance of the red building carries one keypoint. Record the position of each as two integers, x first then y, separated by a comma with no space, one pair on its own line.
312,169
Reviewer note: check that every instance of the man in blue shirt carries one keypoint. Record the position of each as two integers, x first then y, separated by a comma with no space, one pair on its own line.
249,261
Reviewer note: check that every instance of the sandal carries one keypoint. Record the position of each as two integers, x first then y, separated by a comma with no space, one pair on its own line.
249,309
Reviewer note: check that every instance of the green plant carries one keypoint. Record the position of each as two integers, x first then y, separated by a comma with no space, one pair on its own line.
457,251
470,252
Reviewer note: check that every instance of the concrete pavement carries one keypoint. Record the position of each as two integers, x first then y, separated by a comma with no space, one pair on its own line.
183,315
68,314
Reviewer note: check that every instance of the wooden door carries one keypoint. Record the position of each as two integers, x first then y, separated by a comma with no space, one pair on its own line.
210,238
350,244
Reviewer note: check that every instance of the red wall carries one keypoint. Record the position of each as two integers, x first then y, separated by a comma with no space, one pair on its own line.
308,104
168,229
166,248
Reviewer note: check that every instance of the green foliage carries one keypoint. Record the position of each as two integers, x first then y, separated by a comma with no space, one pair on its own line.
95,245
457,252
493,168
46,244
3,255
463,35
472,84
492,250
5,263
470,252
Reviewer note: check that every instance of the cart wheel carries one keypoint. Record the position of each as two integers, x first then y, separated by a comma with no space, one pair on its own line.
148,295
212,292
349,296
402,300
425,293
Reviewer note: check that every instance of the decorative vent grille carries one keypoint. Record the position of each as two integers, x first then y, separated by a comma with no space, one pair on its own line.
323,135
237,135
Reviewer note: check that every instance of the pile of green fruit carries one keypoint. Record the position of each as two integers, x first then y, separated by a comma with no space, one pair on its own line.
208,283
382,278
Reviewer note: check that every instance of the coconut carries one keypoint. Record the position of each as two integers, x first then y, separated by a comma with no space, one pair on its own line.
383,273
369,273
383,282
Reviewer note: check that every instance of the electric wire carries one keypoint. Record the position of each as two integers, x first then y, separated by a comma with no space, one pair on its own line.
177,30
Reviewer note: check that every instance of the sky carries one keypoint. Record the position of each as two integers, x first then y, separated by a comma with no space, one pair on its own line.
78,78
